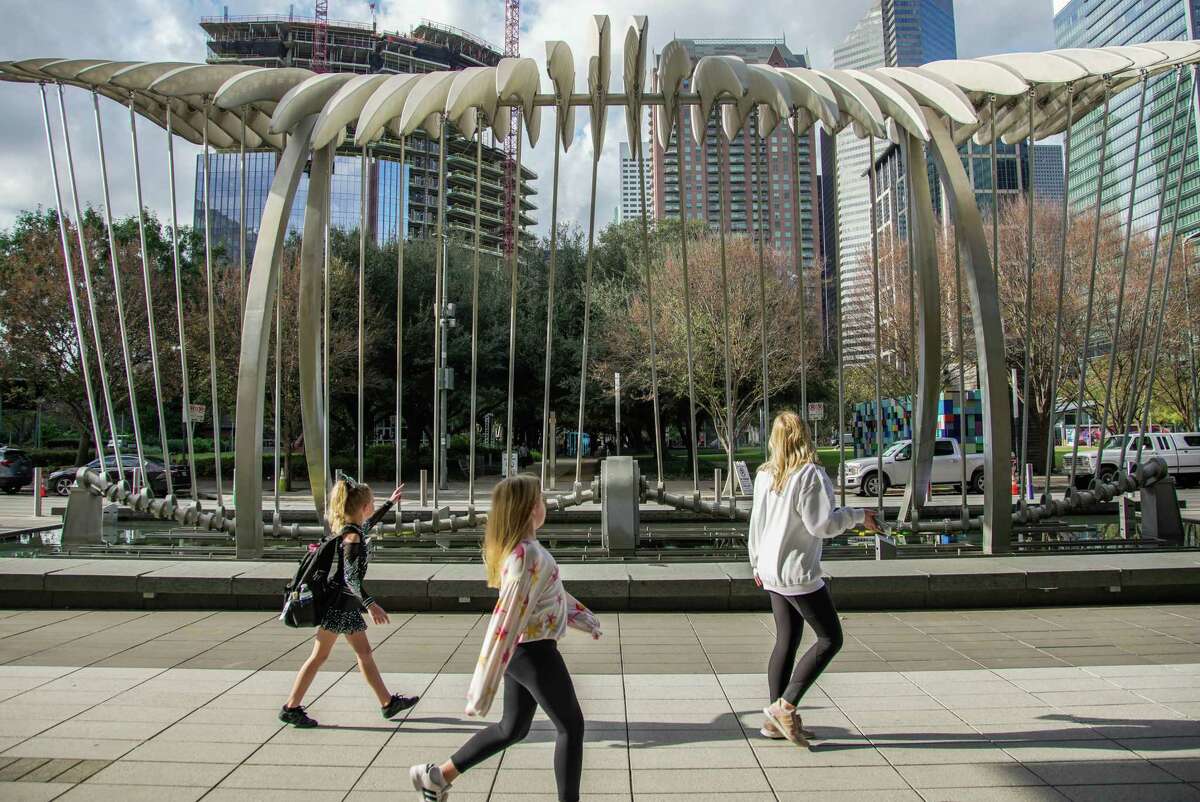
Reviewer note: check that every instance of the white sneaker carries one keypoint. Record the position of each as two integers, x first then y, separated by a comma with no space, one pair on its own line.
428,782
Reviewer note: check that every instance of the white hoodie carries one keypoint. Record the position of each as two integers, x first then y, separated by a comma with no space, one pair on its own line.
786,529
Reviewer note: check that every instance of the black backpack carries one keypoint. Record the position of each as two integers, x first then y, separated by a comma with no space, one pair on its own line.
307,596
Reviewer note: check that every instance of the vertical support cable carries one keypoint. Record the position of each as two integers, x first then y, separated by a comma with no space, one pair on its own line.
756,216
1134,394
360,433
512,306
1091,295
401,236
325,315
439,314
1062,284
730,414
547,435
72,287
278,395
1112,357
183,363
798,262
841,351
1029,253
242,221
650,309
964,511
687,306
212,336
995,192
86,269
587,315
879,475
1166,290
475,306
119,299
151,328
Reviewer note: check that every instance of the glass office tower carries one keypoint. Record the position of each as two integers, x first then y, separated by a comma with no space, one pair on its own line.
1091,23
387,198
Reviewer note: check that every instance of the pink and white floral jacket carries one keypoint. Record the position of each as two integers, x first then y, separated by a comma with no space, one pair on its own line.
533,605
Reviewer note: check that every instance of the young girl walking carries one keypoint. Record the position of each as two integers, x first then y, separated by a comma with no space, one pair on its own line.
350,520
793,511
520,645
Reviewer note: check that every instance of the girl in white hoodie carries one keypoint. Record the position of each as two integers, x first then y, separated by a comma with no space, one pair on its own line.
793,512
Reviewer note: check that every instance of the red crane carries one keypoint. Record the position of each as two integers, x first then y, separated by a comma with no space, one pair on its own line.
320,51
512,47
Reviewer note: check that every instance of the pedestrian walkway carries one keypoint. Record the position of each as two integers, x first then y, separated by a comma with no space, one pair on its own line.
1036,704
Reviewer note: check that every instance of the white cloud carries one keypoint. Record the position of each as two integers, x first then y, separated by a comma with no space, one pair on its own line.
157,30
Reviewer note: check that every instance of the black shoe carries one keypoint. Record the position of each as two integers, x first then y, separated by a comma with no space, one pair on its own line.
296,717
398,703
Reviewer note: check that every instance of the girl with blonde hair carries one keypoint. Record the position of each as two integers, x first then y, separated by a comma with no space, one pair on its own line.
520,646
350,520
793,511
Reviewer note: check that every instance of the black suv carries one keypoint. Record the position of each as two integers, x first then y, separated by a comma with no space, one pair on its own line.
16,469
61,480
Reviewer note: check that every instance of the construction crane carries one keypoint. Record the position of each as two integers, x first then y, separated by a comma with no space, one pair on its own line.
512,48
320,51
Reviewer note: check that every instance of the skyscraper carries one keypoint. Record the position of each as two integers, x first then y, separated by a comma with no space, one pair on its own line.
893,33
631,198
1048,172
863,48
1089,23
769,199
401,196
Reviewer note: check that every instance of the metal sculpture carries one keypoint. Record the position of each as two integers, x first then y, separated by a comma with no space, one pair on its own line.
936,108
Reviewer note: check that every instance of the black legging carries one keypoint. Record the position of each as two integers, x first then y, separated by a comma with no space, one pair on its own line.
790,614
536,676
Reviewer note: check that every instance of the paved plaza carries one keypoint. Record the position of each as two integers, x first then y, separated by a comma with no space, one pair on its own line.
1038,704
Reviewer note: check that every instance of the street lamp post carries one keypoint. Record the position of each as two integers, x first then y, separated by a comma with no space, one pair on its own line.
617,401
446,374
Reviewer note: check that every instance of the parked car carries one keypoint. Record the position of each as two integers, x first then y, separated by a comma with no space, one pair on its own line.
16,469
61,480
1180,450
863,474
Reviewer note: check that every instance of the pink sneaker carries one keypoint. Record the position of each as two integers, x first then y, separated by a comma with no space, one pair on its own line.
786,721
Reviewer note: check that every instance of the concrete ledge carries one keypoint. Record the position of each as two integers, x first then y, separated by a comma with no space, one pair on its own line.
672,586
950,583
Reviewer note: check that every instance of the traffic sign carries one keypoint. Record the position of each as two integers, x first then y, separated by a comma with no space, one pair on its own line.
816,410
196,412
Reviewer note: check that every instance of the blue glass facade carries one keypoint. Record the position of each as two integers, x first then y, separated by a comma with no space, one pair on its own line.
387,194
916,32
1098,23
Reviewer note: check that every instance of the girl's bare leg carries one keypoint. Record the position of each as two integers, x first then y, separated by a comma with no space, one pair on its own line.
322,645
449,772
366,666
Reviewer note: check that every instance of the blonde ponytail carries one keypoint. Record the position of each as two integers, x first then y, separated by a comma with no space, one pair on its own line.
346,499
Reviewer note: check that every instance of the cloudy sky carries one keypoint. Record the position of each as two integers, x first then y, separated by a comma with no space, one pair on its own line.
168,30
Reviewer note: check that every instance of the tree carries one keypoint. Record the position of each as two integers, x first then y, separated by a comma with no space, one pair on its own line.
38,341
626,324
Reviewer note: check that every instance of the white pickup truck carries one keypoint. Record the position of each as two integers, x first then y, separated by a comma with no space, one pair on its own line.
1180,450
862,474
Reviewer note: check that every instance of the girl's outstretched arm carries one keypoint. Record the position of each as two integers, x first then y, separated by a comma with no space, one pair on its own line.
581,618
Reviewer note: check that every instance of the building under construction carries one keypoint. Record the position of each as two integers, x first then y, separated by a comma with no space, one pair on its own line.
398,194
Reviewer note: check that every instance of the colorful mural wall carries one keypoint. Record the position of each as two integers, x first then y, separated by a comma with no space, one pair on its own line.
897,422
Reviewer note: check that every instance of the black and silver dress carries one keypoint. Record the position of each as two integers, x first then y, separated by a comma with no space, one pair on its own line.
345,612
